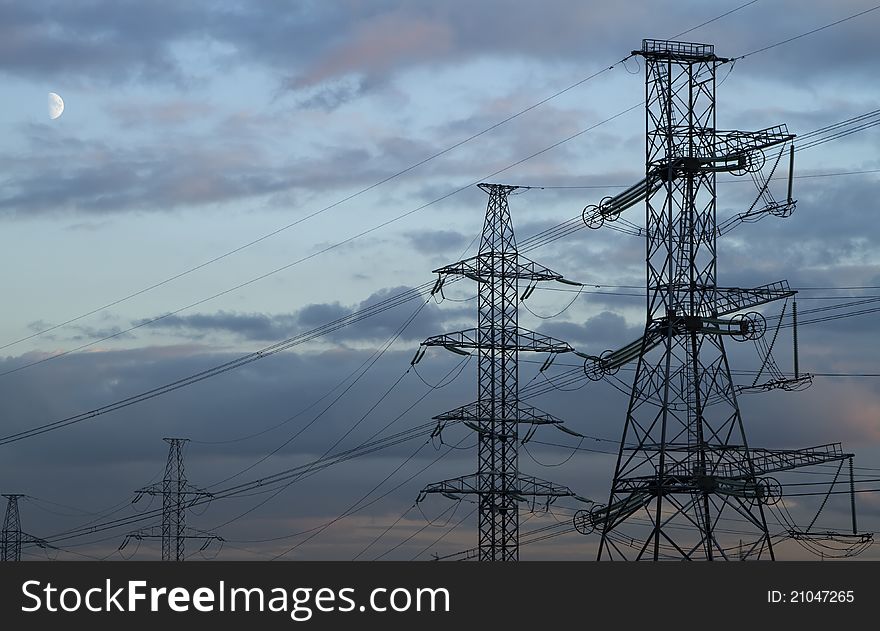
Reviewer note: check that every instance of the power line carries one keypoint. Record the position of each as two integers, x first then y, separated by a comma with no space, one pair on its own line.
805,176
723,15
811,32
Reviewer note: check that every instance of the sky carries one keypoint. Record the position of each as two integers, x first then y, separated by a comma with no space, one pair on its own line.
246,172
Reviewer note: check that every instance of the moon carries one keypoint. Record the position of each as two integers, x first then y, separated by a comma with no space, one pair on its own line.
56,105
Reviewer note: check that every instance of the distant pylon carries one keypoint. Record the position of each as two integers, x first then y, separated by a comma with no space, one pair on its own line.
12,530
177,497
497,413
13,537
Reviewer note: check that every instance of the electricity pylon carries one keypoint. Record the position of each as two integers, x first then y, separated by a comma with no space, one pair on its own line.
684,462
177,497
497,413
13,537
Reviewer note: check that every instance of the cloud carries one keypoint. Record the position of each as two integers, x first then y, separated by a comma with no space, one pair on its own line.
378,43
248,326
117,42
382,324
437,241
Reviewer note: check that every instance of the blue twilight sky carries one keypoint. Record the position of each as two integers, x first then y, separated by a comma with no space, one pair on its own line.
191,129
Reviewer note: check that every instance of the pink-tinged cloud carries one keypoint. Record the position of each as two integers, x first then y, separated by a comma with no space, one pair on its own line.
380,43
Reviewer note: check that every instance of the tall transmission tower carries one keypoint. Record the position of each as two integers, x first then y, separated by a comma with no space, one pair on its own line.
497,413
177,497
684,462
13,537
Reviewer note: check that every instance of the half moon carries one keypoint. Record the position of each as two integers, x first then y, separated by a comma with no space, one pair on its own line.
56,105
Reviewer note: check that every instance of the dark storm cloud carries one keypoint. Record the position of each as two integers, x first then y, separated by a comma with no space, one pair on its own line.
102,463
248,326
384,324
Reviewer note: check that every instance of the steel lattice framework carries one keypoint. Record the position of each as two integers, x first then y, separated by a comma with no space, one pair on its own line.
684,460
497,413
12,535
177,496
13,538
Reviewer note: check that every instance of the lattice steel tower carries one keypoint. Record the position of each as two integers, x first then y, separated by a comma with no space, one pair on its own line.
177,497
684,457
497,413
13,537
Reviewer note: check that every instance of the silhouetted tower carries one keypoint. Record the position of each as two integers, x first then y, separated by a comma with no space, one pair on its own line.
497,412
13,537
12,534
684,463
684,455
177,496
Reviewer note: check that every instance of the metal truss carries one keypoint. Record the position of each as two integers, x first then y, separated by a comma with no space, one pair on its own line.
497,413
177,497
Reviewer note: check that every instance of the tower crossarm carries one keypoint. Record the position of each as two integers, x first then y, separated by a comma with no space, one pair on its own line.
774,460
734,143
187,489
732,461
484,267
523,486
729,300
518,339
733,151
155,532
477,412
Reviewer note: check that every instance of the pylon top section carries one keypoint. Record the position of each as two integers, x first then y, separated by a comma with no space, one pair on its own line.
679,51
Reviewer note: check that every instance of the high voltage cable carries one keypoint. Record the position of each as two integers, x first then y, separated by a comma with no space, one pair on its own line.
811,32
715,19
297,473
336,444
216,370
374,358
357,505
805,176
